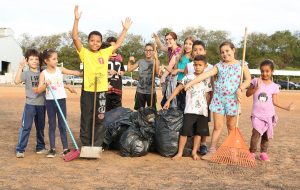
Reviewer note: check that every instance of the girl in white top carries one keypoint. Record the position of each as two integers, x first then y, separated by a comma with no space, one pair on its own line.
53,76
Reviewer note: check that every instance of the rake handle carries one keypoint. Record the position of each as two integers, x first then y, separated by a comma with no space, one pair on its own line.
63,116
94,110
153,79
242,74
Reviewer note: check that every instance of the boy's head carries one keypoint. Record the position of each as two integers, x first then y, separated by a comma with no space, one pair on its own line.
198,48
149,50
94,41
111,41
199,63
32,58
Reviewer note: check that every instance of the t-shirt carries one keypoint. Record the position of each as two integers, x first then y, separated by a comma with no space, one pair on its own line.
195,100
184,60
57,84
115,63
262,99
145,76
95,64
31,80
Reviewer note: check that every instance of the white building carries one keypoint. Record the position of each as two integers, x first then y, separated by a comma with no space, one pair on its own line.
10,55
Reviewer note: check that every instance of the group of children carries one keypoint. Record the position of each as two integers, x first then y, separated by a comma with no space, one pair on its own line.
189,83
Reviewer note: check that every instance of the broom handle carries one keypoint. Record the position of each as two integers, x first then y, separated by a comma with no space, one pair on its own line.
94,110
153,79
63,116
242,74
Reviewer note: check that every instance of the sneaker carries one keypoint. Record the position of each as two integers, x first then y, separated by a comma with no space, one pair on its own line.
203,149
65,152
264,157
42,151
20,155
252,155
209,154
51,153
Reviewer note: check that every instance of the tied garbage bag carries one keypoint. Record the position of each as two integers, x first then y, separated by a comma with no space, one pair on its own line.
168,124
137,140
116,122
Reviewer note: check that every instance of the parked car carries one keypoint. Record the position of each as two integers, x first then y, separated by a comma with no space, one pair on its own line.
70,79
285,84
128,81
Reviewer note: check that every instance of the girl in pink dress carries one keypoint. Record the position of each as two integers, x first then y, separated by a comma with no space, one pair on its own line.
263,116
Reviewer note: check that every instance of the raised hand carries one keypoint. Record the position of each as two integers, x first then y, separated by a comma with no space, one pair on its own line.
22,64
126,25
155,36
76,13
131,59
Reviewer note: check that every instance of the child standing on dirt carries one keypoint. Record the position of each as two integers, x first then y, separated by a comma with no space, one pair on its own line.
263,116
143,90
115,72
34,109
53,76
227,92
198,48
195,119
95,62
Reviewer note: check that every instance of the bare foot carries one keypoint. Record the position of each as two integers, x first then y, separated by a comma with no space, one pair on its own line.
195,156
177,157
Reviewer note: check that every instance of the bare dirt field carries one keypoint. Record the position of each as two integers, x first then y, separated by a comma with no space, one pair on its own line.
151,171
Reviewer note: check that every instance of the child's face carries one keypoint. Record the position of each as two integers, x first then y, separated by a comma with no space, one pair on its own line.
95,42
148,52
266,72
170,42
188,46
199,66
52,60
198,50
227,53
33,62
113,44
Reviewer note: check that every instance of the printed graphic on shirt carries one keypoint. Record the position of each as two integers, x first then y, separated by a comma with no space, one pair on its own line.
263,97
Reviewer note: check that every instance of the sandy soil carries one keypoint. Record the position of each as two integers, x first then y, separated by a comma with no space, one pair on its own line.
151,171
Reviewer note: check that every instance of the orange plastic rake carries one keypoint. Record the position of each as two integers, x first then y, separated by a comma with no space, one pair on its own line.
234,150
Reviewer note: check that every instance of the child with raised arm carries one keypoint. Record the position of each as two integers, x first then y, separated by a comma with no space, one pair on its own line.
227,92
53,76
143,90
95,64
195,121
263,116
34,109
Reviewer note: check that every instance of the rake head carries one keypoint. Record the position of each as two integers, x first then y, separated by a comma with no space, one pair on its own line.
73,154
234,151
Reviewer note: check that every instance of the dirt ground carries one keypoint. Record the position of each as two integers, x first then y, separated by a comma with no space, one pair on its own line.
151,171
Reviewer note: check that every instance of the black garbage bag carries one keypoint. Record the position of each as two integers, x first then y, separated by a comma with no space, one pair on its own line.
137,140
133,144
116,122
168,124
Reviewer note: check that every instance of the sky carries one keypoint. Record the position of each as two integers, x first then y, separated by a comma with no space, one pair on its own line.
41,17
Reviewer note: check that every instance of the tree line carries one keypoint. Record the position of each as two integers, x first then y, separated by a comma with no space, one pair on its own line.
283,47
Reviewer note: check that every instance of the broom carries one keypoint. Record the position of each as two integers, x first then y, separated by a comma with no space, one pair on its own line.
234,150
74,153
92,151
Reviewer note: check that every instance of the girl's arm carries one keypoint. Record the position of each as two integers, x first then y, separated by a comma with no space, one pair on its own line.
251,90
70,72
174,93
18,79
75,38
276,103
42,84
186,70
126,25
169,68
159,44
201,77
247,78
131,67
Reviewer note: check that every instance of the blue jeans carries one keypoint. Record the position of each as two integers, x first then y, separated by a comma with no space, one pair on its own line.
36,113
52,111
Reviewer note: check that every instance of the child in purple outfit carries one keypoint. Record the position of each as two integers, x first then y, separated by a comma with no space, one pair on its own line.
263,115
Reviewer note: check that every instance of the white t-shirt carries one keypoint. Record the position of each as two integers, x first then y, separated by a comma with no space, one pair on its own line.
195,100
191,69
57,84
